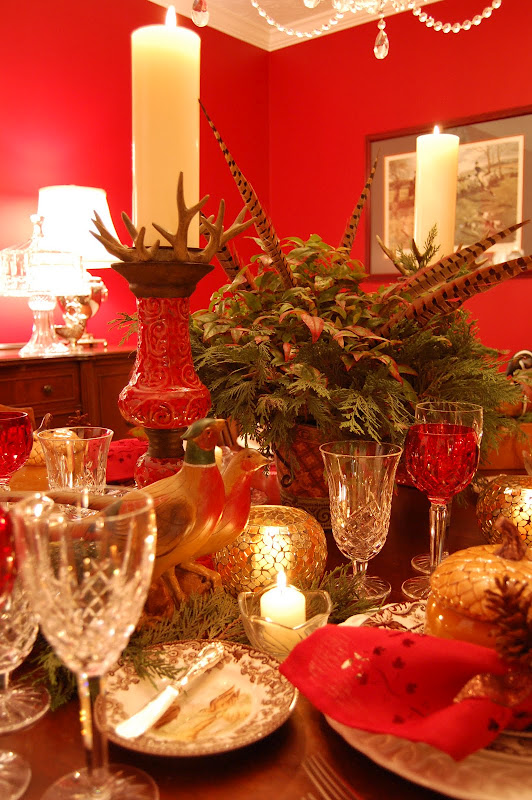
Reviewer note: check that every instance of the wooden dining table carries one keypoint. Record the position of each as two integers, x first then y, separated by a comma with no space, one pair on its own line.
271,767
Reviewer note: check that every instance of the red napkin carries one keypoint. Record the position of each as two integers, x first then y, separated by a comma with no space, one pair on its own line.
400,683
123,455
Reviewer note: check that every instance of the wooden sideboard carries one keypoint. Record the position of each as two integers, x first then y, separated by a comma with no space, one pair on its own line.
88,382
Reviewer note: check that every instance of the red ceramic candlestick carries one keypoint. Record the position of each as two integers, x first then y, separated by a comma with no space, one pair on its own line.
164,394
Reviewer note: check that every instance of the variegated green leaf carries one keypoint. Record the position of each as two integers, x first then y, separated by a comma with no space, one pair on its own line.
314,324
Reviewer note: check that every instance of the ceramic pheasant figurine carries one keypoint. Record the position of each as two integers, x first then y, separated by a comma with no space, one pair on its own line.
237,479
188,504
198,511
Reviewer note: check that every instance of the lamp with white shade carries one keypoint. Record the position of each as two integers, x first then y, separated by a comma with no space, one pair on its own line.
53,266
68,211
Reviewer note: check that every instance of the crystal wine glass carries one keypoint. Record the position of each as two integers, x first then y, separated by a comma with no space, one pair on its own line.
21,704
361,476
16,441
15,772
99,565
441,456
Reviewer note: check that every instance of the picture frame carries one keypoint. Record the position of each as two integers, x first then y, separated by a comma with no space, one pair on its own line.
494,185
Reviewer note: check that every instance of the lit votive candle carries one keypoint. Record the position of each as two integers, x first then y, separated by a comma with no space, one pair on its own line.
283,604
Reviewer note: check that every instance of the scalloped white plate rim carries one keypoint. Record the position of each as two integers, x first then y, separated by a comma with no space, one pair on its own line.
480,776
273,700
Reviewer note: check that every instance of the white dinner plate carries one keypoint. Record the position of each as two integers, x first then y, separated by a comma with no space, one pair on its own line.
239,701
485,775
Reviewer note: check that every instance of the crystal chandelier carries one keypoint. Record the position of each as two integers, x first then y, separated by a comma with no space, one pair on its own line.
377,8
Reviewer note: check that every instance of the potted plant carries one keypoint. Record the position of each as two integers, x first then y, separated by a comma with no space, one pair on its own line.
295,340
292,348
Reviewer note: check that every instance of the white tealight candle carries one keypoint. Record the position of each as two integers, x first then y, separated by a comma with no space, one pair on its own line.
283,604
166,87
436,182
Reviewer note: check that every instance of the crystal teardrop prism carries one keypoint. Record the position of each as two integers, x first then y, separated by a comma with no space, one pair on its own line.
382,45
200,13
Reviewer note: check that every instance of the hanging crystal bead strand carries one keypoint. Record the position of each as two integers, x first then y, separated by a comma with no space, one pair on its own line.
342,6
456,27
382,45
200,13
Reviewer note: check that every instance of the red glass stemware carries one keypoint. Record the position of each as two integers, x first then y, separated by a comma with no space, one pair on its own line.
441,456
16,441
8,568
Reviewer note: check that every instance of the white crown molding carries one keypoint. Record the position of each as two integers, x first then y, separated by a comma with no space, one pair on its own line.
239,19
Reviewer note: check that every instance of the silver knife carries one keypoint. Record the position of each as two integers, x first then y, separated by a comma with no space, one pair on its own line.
148,715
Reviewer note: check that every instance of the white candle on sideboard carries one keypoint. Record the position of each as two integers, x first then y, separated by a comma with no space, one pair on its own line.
283,604
165,110
436,182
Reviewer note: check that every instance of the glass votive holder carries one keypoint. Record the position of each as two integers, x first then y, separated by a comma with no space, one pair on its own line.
76,458
511,496
273,638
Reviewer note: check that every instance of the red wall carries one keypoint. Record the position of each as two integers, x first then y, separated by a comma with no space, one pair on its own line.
295,120
328,94
66,108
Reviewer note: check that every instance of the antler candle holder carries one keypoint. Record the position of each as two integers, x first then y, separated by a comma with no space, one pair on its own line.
164,394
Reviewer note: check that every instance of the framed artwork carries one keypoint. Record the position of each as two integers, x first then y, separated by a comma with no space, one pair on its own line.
494,185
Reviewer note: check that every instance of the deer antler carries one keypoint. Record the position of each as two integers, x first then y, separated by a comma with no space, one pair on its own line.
116,248
178,240
229,261
217,237
185,215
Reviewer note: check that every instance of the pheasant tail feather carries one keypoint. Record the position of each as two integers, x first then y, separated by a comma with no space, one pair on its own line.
449,296
352,226
263,225
228,261
444,269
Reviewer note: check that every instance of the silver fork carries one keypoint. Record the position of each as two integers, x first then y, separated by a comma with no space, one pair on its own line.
328,783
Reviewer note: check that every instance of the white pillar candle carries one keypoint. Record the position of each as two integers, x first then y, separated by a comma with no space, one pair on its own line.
283,604
166,88
436,181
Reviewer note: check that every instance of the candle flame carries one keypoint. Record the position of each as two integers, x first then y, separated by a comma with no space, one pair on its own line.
436,129
281,579
171,18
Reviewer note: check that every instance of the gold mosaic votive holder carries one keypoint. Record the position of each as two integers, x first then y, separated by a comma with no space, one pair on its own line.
273,638
276,538
510,495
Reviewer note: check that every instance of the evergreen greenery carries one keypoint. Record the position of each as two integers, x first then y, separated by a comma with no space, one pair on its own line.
274,356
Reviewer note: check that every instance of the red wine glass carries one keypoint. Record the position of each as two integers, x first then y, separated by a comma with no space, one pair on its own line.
8,567
15,772
441,457
16,441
